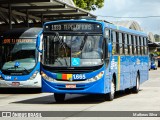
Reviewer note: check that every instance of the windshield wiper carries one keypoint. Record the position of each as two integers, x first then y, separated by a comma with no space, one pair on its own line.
59,61
84,41
62,44
15,68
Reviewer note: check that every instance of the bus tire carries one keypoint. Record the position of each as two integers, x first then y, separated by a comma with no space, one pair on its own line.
110,96
136,88
59,97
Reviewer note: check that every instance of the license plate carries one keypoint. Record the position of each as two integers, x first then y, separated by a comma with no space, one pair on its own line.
15,84
70,86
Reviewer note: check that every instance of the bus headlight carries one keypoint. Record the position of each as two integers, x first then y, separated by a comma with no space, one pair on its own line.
46,77
34,75
97,77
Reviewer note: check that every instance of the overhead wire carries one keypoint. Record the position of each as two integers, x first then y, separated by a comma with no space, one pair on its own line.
129,17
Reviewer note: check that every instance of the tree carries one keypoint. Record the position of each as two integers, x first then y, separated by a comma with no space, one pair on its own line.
89,4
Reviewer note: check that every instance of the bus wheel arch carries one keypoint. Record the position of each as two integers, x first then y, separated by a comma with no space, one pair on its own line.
110,96
138,73
114,79
135,89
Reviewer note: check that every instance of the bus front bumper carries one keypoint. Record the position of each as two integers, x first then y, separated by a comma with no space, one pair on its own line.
96,87
20,84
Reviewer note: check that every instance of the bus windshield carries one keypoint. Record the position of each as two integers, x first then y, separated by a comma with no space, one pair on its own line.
70,50
18,51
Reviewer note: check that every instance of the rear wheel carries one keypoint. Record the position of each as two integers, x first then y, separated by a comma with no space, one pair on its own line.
110,96
59,97
136,88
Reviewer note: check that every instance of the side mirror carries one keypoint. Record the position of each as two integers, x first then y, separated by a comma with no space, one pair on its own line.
38,42
109,47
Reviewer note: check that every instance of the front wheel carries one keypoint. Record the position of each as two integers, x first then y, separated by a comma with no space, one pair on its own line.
110,96
136,88
59,97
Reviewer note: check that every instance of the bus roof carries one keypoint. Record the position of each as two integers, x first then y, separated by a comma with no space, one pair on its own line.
105,25
22,33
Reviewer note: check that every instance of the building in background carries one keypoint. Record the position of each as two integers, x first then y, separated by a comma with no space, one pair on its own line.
129,24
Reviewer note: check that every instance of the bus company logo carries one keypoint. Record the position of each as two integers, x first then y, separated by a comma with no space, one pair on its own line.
21,114
6,114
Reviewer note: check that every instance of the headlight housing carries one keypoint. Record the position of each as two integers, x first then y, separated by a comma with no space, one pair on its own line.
97,77
34,75
47,77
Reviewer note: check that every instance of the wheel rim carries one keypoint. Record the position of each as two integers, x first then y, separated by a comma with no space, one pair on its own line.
112,89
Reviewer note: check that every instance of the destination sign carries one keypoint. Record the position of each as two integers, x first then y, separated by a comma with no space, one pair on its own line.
13,41
89,27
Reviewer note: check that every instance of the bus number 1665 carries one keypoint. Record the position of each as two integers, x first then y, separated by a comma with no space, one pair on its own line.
79,76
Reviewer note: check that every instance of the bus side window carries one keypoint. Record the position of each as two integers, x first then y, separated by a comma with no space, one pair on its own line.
117,43
145,46
120,44
137,44
130,47
134,44
132,41
113,42
141,43
126,50
105,50
123,43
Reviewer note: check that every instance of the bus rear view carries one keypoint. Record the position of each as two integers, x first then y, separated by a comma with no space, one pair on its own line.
20,62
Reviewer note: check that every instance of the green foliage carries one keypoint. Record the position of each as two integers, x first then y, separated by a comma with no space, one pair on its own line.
89,4
156,53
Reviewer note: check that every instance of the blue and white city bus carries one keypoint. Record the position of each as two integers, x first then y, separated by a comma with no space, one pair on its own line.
92,57
20,60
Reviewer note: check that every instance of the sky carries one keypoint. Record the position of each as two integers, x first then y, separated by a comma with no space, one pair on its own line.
133,8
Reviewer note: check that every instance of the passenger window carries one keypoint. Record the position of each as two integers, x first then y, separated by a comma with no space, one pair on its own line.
126,44
117,43
141,45
145,46
114,42
130,40
134,45
138,45
120,44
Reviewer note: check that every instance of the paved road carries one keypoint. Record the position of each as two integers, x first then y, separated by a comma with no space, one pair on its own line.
148,99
